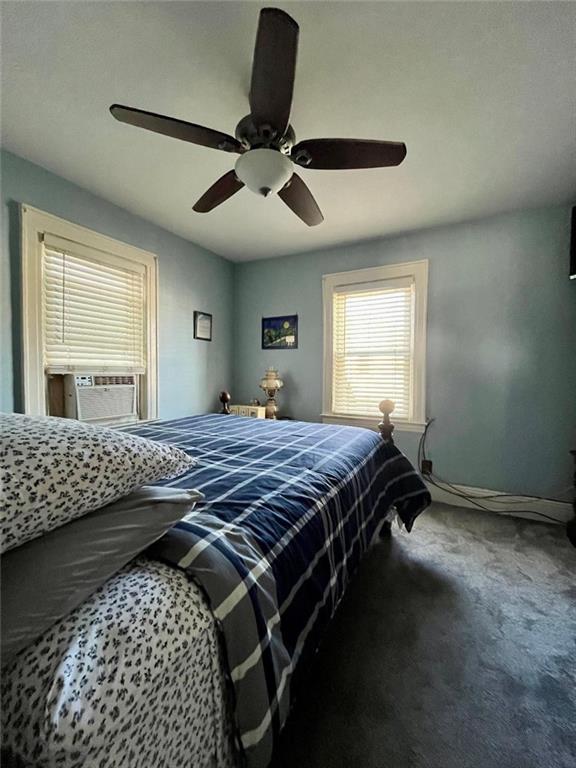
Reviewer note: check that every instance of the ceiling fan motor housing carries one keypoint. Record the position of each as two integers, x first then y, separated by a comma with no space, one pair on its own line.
251,136
264,171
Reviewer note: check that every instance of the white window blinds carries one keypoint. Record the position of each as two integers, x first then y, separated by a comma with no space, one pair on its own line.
93,309
373,347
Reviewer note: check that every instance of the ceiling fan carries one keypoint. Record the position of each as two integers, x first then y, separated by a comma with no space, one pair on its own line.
265,140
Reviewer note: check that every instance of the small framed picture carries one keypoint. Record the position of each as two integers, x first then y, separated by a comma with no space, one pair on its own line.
280,332
202,326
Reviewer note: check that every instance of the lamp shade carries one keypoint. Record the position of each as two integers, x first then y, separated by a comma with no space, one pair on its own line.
271,380
264,171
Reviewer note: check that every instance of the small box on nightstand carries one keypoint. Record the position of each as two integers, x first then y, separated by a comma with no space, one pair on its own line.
253,411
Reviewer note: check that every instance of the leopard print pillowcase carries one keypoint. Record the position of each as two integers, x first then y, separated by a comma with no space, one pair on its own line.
53,470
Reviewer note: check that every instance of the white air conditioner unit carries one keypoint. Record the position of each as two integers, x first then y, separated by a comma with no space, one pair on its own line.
101,399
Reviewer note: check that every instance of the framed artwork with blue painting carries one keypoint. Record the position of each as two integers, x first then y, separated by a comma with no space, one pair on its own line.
280,332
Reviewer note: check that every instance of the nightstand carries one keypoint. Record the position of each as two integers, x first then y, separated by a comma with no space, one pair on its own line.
253,411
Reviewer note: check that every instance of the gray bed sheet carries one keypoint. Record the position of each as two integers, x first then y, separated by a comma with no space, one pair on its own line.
46,578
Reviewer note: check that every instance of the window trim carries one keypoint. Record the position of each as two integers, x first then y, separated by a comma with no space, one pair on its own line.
34,224
418,270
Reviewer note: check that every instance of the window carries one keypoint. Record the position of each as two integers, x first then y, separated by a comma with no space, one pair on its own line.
375,344
93,312
89,306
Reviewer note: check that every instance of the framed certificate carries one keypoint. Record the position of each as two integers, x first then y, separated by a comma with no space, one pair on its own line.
202,326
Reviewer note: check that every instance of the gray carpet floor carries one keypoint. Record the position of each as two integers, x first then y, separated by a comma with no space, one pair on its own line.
455,647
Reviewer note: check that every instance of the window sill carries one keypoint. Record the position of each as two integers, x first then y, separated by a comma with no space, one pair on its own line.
371,422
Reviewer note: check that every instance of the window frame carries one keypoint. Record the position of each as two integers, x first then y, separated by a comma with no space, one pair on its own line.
34,224
418,271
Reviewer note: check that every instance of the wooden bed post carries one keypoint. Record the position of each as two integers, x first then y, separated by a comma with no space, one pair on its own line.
225,398
386,430
386,427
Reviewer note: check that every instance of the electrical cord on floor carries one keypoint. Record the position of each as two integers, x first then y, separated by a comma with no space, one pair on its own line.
495,498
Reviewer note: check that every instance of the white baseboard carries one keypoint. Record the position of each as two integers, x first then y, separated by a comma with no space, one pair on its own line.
510,506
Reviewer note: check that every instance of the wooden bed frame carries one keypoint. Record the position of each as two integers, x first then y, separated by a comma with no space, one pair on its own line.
386,429
385,426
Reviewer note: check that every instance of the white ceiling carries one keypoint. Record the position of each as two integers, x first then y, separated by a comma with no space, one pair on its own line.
483,94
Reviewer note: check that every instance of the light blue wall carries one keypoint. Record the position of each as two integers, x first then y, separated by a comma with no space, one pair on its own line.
501,339
191,372
501,372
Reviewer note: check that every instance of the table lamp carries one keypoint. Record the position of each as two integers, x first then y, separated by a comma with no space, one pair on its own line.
271,383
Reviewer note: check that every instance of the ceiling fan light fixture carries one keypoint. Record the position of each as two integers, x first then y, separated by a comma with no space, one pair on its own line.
264,171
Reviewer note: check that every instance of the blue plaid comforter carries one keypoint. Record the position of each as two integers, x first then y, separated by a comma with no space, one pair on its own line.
289,509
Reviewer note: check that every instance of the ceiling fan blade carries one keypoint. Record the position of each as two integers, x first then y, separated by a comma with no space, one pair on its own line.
339,154
298,198
177,129
219,192
273,69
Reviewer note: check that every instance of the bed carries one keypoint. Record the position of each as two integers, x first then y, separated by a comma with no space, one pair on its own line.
192,654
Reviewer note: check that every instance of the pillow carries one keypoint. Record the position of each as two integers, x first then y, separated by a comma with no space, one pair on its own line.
45,579
53,470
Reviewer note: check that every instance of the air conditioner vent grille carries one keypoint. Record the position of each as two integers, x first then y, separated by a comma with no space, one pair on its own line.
107,380
102,399
105,402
